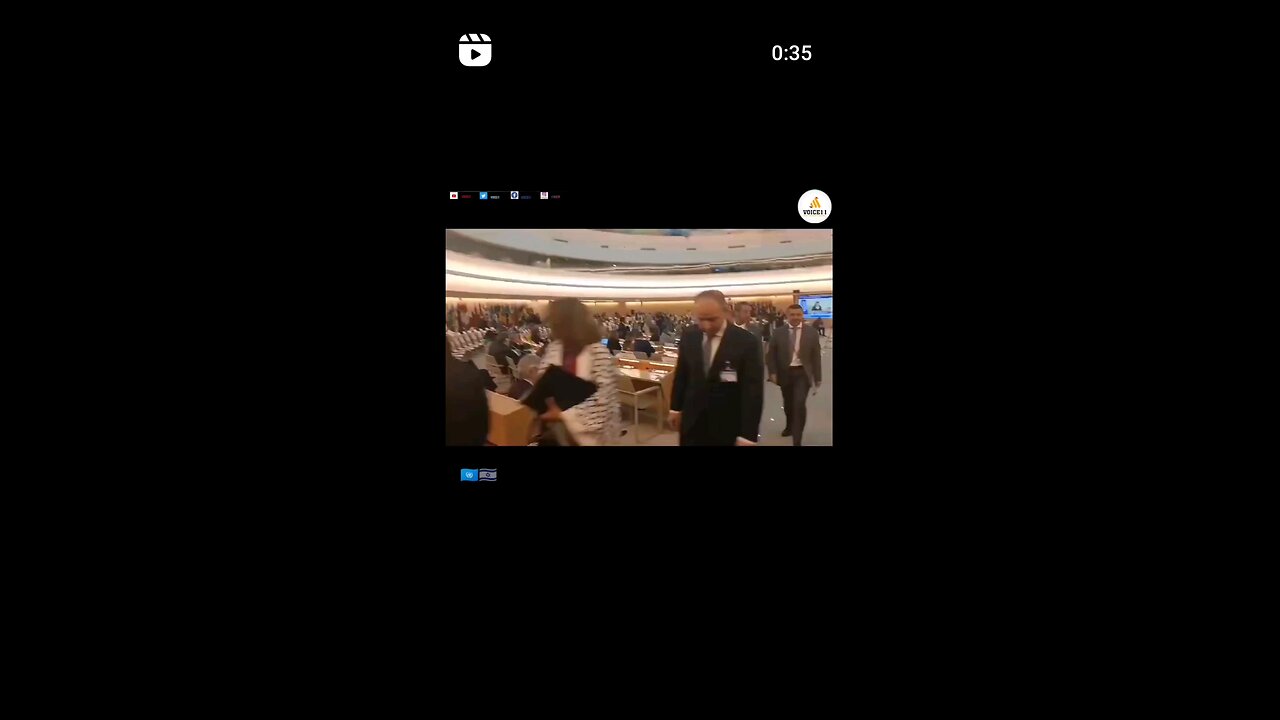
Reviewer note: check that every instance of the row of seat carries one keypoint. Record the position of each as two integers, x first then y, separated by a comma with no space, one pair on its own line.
465,341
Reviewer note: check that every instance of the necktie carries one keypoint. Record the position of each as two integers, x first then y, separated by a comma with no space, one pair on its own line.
706,353
795,344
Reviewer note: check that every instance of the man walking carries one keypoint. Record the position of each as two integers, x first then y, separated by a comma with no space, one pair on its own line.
719,390
794,360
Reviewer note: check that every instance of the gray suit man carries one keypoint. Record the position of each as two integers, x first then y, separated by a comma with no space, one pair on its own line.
794,361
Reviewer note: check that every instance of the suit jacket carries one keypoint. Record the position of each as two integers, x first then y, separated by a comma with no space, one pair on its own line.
644,346
485,378
728,410
754,328
465,404
778,357
500,351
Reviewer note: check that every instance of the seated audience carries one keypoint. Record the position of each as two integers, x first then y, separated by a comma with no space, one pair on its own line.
500,349
526,376
642,345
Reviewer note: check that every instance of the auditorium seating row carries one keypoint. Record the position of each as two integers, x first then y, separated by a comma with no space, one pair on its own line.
466,341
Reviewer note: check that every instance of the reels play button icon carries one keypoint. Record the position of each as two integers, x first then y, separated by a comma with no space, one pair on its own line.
475,50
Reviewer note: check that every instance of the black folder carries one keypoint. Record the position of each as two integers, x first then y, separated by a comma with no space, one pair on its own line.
568,390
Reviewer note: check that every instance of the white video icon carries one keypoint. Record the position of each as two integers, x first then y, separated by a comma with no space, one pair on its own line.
475,50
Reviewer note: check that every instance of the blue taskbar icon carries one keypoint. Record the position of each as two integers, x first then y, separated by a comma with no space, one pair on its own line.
484,196
515,194
488,474
469,475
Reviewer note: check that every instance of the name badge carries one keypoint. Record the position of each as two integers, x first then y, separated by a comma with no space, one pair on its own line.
728,376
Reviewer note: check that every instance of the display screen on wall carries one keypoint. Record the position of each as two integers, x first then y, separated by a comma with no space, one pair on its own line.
816,306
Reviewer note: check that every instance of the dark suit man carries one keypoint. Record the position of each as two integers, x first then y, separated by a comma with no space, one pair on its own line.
794,360
643,346
719,389
466,407
501,350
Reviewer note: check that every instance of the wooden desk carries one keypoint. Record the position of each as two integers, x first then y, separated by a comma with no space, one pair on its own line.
643,364
510,421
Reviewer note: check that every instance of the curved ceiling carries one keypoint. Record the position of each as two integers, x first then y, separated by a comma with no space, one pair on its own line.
471,275
647,247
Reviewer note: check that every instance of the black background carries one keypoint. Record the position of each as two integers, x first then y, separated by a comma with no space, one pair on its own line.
626,202
647,128
936,250
297,190
644,61
655,130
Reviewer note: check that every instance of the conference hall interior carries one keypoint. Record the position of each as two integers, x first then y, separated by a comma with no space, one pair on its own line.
515,299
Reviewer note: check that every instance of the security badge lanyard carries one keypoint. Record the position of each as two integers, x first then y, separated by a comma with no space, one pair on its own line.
728,374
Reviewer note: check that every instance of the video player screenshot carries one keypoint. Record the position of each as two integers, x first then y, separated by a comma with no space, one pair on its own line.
632,239
638,282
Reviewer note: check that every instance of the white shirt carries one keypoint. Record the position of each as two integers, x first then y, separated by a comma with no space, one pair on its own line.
714,342
796,331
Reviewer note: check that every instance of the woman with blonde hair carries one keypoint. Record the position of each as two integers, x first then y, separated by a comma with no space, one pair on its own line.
576,348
